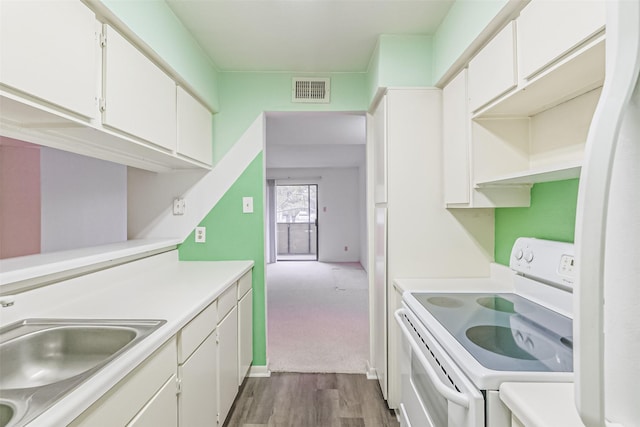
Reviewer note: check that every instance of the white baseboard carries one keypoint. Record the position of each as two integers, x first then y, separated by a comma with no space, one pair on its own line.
371,372
259,371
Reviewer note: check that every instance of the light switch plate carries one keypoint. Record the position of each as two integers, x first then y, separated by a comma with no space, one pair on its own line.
247,205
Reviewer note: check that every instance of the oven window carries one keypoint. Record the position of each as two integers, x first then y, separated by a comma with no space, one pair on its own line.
432,400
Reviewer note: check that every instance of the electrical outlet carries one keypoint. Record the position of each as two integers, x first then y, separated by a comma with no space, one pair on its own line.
178,206
567,265
201,234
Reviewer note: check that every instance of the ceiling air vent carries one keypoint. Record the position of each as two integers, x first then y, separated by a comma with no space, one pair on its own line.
310,89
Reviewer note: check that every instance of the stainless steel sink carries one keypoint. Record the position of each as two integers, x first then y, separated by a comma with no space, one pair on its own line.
41,360
6,413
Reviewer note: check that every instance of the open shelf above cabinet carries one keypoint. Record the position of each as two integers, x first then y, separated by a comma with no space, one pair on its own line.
579,72
534,176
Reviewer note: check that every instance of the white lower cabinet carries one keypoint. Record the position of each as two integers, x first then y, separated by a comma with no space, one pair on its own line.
161,410
198,399
213,353
141,394
245,335
245,325
227,362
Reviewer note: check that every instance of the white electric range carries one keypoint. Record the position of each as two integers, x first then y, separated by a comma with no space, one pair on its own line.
458,347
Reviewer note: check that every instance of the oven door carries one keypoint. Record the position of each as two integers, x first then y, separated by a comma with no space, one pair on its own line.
435,393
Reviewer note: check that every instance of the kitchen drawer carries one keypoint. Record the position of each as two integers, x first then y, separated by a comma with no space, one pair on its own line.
244,284
227,301
493,71
196,331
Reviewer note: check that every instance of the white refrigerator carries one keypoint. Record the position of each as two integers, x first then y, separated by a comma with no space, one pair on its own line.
607,294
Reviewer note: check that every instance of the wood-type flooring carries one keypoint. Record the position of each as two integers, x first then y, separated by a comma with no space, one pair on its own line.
310,400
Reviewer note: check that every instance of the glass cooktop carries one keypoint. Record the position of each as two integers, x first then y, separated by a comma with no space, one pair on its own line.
504,332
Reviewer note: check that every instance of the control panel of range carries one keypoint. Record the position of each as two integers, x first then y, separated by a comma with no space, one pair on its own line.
545,260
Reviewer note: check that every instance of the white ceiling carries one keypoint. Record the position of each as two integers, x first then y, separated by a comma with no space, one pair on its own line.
315,140
302,35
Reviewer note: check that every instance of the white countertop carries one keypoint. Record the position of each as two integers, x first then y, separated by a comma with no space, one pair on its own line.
159,287
500,280
31,269
542,404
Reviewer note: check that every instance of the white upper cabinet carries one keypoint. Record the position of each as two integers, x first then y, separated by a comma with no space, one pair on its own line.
532,92
455,136
492,71
547,30
195,133
49,51
140,99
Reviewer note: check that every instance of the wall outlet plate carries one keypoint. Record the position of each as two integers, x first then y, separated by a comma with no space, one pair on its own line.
201,234
247,205
178,206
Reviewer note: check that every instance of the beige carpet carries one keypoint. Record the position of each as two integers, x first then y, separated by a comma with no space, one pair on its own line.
317,317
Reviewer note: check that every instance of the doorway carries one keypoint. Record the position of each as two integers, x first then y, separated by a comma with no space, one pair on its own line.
297,222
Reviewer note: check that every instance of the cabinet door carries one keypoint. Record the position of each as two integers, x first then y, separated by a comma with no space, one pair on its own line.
49,50
380,298
245,332
126,399
380,151
549,29
493,71
140,98
227,362
161,410
195,134
199,397
455,135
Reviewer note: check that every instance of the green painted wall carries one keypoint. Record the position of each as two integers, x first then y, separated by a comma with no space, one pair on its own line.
552,215
400,60
245,95
464,22
155,23
232,235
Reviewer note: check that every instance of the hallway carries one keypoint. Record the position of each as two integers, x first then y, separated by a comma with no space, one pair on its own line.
317,316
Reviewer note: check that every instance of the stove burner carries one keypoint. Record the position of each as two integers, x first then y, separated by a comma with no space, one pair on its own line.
496,303
446,302
499,340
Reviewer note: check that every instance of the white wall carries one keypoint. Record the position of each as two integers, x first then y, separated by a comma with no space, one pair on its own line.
84,201
340,214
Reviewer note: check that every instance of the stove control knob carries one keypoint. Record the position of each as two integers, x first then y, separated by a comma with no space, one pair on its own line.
519,254
528,256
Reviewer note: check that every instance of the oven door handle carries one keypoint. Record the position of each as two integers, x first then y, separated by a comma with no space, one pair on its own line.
446,392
